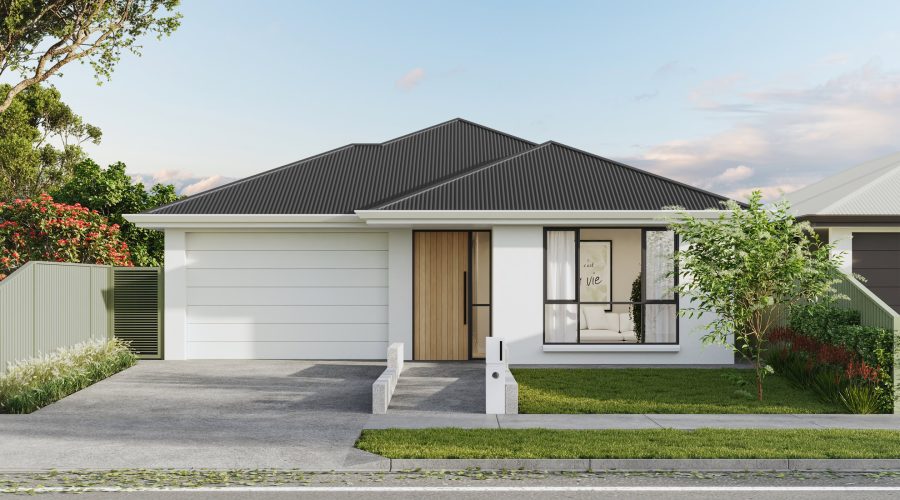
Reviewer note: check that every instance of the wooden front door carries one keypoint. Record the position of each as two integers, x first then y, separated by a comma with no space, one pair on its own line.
440,295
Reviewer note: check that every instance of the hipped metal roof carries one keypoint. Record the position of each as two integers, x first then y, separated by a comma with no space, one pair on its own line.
455,165
869,189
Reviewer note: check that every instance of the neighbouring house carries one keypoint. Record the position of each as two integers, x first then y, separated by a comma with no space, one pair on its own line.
437,239
858,210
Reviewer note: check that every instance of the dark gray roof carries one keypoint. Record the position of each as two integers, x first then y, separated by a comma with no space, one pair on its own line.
358,175
456,165
554,176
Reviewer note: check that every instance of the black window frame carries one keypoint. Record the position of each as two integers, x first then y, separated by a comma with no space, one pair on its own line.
577,301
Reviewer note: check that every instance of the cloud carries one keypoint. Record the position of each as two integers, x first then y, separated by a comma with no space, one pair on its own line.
792,137
646,96
707,94
411,79
672,68
185,183
773,192
737,173
204,184
836,59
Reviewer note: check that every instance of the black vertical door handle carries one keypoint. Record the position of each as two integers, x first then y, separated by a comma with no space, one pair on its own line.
465,300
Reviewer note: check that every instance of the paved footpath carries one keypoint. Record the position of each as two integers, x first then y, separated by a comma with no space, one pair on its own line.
420,420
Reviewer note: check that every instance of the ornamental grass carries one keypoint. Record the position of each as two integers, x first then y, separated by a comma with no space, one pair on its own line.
34,383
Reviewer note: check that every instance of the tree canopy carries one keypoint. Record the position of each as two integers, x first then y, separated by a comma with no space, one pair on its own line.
39,37
41,229
113,193
739,269
40,142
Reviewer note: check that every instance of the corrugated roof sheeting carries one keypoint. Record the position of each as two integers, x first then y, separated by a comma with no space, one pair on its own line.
557,177
357,176
456,165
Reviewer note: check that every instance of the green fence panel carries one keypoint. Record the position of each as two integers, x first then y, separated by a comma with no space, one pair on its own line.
45,306
17,316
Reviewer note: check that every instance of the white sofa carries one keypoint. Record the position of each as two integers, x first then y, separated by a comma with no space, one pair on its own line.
601,327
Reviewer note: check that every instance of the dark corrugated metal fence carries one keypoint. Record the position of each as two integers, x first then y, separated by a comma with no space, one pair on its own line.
137,317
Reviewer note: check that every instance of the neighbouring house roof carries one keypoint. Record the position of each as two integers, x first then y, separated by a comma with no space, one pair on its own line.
456,165
866,191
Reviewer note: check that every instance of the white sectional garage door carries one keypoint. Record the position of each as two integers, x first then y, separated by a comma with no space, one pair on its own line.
292,295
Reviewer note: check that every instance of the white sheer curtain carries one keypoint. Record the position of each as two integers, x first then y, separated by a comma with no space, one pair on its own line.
561,319
560,265
660,319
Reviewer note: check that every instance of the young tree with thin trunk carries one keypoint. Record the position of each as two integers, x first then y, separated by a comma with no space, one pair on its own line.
745,267
39,37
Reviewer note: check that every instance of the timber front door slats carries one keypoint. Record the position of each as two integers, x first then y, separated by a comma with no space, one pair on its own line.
440,319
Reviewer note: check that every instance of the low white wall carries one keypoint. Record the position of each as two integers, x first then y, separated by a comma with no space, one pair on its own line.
518,303
384,386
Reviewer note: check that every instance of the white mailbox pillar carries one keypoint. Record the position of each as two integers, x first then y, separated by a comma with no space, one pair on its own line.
495,375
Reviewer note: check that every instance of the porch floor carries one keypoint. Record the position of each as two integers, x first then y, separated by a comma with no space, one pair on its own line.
439,387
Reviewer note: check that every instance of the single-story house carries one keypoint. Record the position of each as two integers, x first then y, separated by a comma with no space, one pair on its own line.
437,239
858,210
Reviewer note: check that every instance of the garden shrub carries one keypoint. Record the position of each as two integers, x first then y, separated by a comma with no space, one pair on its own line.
40,229
822,320
32,384
856,370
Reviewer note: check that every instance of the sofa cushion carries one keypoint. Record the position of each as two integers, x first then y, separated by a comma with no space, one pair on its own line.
629,337
625,323
601,336
598,319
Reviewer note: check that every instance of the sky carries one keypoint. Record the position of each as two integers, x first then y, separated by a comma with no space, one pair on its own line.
725,95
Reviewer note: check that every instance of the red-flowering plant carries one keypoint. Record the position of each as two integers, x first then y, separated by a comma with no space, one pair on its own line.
40,229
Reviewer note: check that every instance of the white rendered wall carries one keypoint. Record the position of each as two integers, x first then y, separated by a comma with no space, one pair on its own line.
518,313
400,299
175,276
842,239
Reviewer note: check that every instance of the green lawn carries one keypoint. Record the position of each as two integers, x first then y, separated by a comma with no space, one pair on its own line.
660,390
643,443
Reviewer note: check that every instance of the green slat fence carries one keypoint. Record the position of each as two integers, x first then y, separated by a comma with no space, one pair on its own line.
48,305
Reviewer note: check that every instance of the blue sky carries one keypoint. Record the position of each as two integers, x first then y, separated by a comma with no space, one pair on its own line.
725,95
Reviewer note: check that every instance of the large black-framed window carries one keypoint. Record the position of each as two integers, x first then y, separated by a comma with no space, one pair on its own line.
581,303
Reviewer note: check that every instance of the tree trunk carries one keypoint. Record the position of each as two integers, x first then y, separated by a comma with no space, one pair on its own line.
759,375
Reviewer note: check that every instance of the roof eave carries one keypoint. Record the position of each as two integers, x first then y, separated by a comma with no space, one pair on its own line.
528,217
236,221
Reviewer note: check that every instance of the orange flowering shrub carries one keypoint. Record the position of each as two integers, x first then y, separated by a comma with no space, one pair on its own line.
40,229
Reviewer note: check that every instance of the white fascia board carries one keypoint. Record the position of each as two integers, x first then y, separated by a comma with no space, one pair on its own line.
526,217
237,221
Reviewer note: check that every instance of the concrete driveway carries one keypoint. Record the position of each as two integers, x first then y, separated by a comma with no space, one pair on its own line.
203,414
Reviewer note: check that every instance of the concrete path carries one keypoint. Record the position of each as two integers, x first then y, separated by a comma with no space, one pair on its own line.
211,414
636,421
447,387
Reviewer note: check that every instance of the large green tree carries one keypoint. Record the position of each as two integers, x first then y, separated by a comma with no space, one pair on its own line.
39,37
112,193
741,268
40,142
